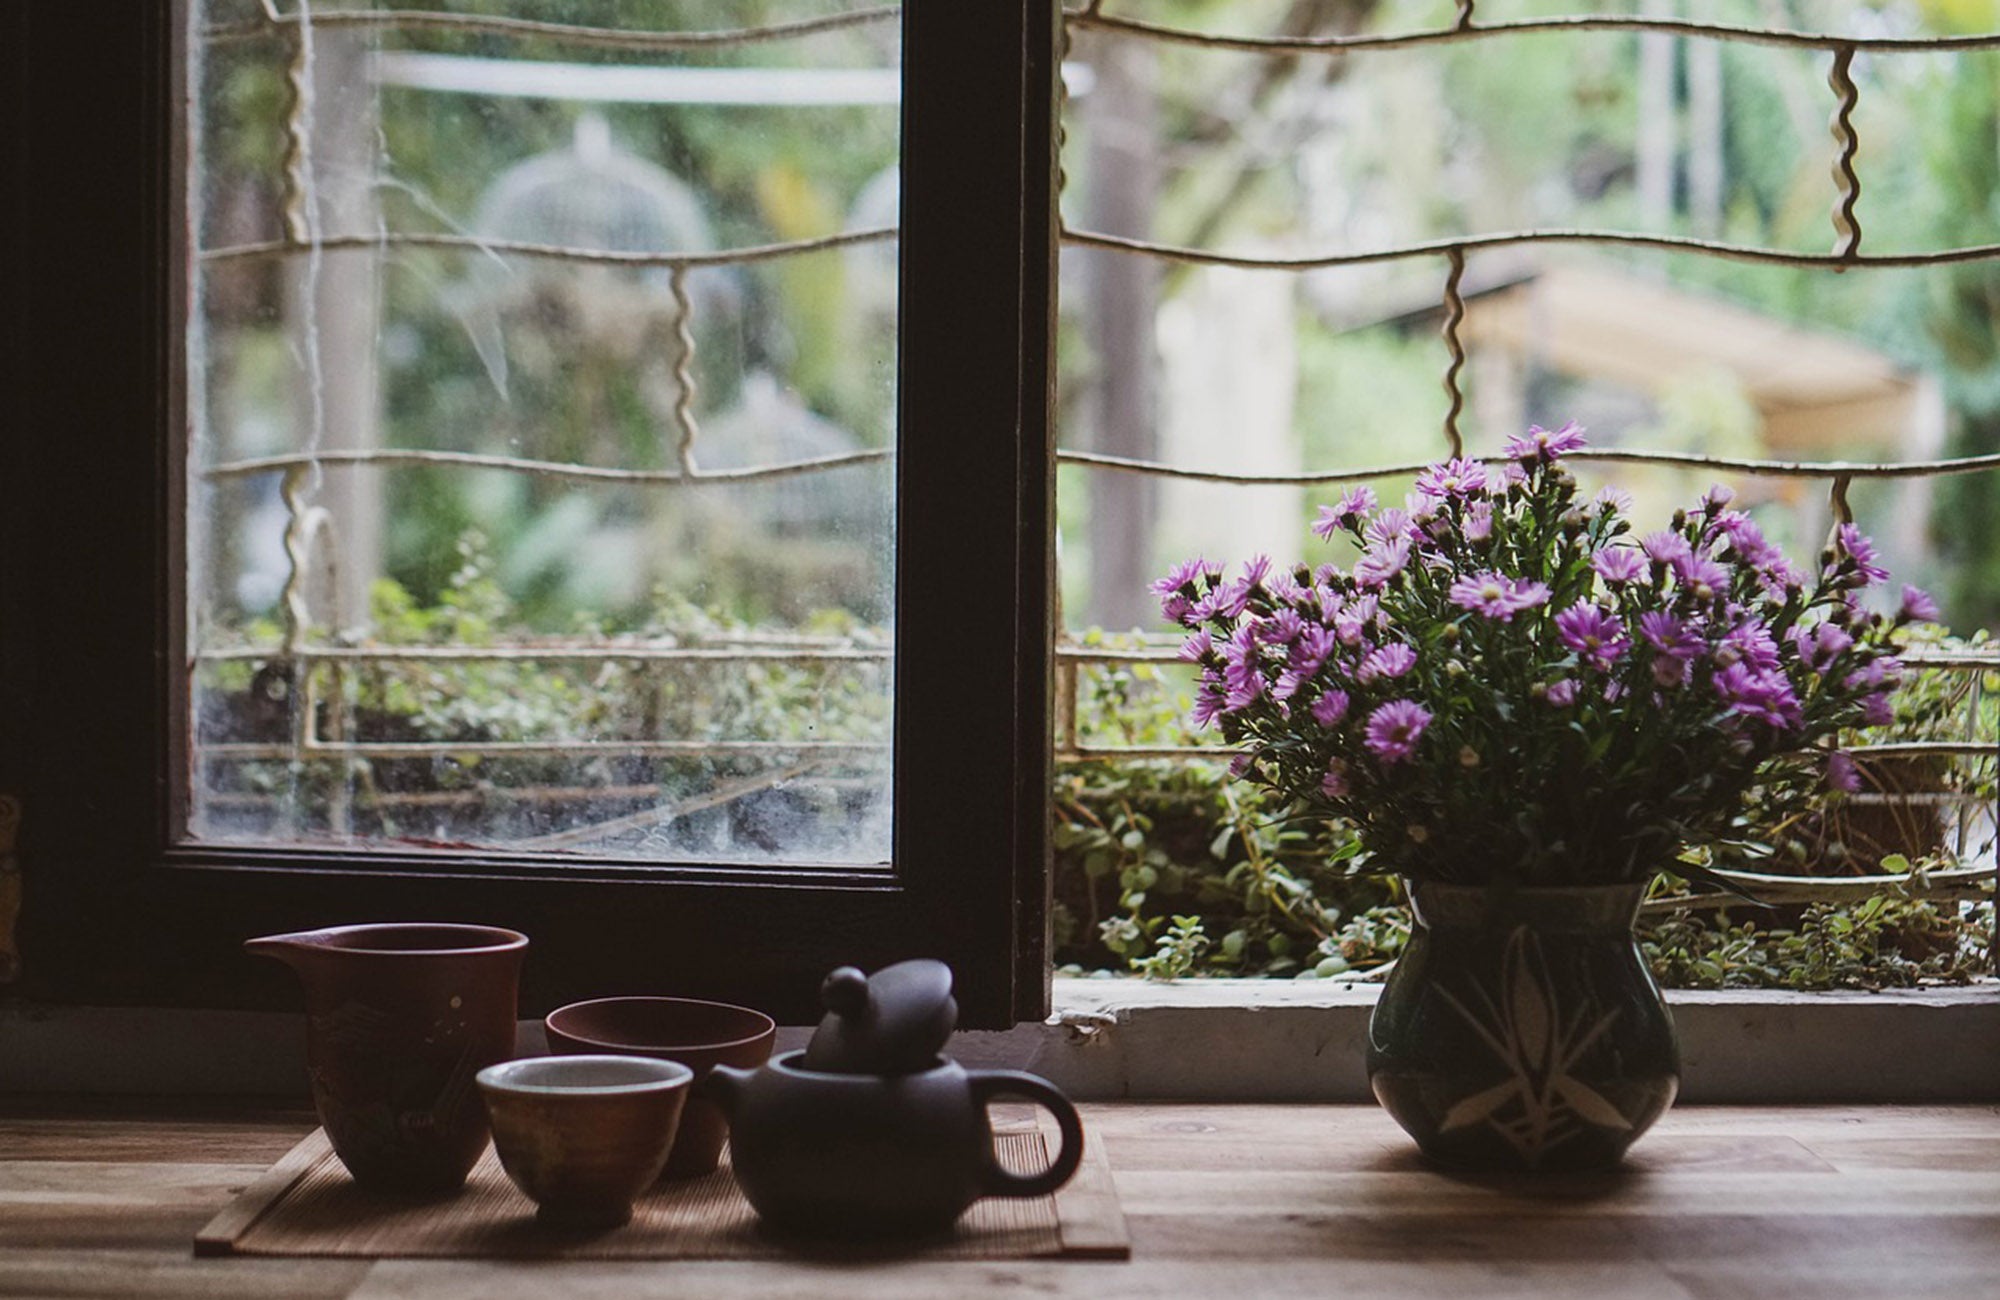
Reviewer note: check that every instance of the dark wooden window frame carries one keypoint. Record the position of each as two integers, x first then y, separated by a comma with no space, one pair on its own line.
118,911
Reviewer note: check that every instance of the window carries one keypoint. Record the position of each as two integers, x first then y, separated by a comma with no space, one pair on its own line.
94,648
141,892
1285,224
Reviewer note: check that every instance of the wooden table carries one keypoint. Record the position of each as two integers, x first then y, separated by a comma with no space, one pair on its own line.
1236,1202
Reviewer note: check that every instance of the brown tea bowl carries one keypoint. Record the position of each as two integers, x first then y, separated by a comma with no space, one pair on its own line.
697,1034
582,1136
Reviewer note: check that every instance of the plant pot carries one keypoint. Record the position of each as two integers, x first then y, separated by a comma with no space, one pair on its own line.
1521,1030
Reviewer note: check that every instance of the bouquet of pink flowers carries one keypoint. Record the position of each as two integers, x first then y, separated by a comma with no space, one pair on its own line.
1509,687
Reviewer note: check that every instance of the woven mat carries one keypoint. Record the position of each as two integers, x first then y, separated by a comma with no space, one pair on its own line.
307,1205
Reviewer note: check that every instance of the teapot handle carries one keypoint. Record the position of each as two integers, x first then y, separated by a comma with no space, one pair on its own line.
995,1181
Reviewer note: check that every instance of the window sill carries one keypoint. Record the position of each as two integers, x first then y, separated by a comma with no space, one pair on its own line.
1220,1040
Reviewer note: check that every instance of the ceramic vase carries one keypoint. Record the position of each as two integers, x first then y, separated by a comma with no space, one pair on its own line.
1521,1031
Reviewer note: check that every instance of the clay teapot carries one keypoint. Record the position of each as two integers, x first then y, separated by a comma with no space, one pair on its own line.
399,1020
900,1150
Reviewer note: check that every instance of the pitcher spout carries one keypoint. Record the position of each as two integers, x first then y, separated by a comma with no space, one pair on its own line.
288,948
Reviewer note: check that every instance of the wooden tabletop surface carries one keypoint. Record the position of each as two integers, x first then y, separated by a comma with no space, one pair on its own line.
1222,1201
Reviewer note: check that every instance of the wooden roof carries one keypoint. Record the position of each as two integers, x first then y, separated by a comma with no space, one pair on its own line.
1814,389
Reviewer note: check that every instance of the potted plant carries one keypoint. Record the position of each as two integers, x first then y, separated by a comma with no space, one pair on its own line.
1526,711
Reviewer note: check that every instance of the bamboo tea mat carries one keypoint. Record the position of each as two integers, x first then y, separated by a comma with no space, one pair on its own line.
307,1205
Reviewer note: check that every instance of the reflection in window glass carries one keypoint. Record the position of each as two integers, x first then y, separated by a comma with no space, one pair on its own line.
542,390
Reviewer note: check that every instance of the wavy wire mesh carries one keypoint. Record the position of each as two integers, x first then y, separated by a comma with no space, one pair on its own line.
309,525
313,667
1845,254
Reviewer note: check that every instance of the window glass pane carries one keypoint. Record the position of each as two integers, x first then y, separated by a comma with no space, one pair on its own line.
542,392
1632,206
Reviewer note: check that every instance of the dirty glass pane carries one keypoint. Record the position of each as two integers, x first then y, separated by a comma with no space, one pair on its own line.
541,371
1596,177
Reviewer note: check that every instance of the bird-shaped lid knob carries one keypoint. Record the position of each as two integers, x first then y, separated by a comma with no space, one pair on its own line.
893,1022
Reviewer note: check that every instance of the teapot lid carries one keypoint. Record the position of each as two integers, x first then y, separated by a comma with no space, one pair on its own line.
893,1022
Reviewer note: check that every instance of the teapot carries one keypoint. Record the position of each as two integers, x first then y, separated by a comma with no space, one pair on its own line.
869,1131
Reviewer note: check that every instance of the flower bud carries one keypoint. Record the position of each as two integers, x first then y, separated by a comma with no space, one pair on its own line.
1468,756
1449,635
1418,833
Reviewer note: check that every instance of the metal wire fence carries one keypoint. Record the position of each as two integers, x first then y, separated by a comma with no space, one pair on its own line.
317,661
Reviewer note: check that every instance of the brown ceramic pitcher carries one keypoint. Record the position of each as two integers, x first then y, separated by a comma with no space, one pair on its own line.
399,1018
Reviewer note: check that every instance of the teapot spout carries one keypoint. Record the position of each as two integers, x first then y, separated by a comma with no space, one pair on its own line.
722,1086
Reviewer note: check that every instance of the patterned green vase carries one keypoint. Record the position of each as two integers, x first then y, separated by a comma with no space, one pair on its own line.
1521,1031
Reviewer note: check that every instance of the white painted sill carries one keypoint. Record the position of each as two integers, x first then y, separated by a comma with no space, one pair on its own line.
1225,1040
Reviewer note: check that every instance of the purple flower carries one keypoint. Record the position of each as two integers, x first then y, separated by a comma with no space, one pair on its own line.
1614,500
1281,627
1749,641
1178,589
1876,711
1819,646
1351,623
1758,695
1672,638
1746,540
1330,708
1391,660
1917,606
1394,728
1597,636
1669,671
1717,497
1885,671
1225,602
1479,521
1208,706
1777,575
1562,692
1539,444
1197,647
1387,526
1854,544
1356,503
1383,561
1700,576
1664,547
1242,671
1334,784
1185,574
1457,477
1497,596
1618,564
1841,773
1311,649
1255,568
